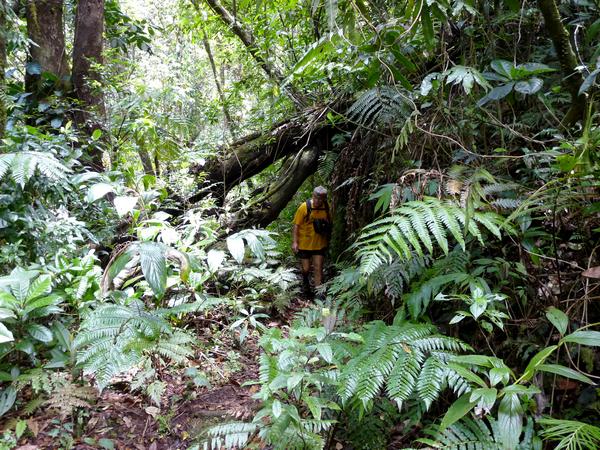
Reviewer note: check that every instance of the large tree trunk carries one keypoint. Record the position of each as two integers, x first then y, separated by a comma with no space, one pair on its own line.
254,153
47,54
572,78
87,52
268,205
3,105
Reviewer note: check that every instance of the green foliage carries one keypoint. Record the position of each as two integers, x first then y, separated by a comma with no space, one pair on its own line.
406,359
570,434
481,304
381,106
521,78
415,226
152,258
116,338
473,434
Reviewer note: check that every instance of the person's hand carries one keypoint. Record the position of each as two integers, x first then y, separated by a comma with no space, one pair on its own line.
295,247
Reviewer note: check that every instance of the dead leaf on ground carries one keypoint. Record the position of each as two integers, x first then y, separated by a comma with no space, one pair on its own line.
33,426
592,272
152,411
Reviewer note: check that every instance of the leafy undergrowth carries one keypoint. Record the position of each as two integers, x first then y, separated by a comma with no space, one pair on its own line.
216,387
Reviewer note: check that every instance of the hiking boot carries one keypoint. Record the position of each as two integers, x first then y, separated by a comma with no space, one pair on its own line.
306,290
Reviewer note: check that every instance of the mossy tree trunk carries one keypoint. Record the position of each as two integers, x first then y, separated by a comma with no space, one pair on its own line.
47,67
572,78
254,153
87,55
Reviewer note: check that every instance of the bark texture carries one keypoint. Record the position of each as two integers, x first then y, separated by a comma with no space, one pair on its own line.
267,207
572,78
45,28
87,51
254,153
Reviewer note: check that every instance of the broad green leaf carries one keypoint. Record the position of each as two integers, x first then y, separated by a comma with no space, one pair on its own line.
530,86
215,259
39,332
154,266
236,247
537,360
5,334
277,408
510,421
7,314
467,374
497,93
502,67
589,81
325,351
98,191
486,397
478,307
43,302
42,285
584,337
124,204
7,399
498,374
294,380
566,372
558,318
457,411
20,428
96,134
314,405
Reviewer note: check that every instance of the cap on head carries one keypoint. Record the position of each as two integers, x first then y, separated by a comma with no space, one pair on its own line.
320,191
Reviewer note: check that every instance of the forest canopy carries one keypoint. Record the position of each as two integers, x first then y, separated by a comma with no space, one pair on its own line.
153,155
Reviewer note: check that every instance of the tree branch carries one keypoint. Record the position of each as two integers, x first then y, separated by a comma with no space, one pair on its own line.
572,78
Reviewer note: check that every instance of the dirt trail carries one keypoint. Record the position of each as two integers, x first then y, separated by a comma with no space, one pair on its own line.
122,419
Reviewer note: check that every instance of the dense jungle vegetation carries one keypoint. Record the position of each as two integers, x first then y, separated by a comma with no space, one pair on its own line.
153,154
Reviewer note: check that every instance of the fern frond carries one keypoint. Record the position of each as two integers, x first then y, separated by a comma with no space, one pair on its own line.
230,435
114,338
414,226
475,434
381,106
405,358
23,165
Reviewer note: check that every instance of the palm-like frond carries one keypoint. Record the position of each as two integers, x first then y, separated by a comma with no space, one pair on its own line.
381,106
405,358
469,434
114,338
414,228
22,166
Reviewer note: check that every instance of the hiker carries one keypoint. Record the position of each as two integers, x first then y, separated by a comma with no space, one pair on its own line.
310,237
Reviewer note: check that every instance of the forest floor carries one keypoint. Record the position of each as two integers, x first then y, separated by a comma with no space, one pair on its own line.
122,419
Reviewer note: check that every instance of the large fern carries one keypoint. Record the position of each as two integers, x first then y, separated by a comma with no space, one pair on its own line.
416,227
571,434
22,166
381,106
404,359
115,338
469,434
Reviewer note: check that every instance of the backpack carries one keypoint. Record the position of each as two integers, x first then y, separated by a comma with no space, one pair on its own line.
321,226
